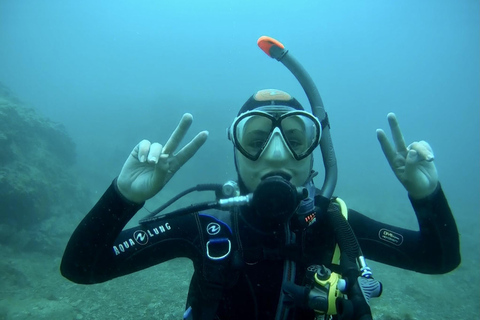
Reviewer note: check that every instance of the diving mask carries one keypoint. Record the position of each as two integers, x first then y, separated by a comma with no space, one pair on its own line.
252,131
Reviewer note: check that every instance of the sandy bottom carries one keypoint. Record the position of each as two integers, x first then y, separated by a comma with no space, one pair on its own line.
32,288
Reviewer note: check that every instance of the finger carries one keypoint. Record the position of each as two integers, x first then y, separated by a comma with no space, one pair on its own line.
387,148
397,133
178,134
412,157
423,149
188,151
411,165
154,152
140,151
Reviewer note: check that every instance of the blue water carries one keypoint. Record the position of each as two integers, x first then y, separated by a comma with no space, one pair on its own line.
116,72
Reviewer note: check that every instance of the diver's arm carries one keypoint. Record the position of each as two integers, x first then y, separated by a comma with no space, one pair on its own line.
90,255
99,250
434,249
91,242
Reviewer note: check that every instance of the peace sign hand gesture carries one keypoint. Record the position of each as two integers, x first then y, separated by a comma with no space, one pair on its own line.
150,166
413,165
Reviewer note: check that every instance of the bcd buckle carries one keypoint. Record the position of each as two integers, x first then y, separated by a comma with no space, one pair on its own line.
218,248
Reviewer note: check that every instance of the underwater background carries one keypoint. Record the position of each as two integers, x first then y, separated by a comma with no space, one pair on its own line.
82,82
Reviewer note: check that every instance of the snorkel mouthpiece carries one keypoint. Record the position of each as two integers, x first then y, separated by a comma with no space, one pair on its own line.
275,199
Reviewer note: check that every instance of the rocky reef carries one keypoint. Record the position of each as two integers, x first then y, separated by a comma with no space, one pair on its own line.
36,167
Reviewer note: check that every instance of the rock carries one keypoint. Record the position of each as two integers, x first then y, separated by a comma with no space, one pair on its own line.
36,160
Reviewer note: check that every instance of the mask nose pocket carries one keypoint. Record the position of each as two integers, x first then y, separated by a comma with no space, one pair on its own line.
276,146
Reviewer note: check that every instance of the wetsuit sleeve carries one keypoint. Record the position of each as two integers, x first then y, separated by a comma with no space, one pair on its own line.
99,250
434,249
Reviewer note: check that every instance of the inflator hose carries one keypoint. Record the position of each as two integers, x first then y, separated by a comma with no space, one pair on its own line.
345,237
356,307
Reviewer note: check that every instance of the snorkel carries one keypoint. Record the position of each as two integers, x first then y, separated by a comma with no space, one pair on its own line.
360,285
276,50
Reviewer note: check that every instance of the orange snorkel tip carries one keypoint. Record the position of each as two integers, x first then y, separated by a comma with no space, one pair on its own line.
266,43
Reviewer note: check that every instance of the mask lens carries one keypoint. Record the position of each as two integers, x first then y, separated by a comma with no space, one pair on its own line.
301,133
252,134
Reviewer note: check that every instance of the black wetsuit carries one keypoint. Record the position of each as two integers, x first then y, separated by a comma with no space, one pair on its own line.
99,250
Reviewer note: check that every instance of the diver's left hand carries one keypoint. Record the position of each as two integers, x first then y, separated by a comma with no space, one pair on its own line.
413,165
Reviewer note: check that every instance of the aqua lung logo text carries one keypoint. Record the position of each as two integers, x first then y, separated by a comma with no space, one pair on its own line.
213,228
141,237
390,236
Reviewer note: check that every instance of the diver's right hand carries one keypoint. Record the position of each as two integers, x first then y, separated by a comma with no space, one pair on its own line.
150,165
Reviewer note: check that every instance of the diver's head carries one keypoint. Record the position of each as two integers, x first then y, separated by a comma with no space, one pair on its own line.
273,134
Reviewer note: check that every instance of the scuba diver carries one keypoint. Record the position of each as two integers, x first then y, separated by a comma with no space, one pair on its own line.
271,245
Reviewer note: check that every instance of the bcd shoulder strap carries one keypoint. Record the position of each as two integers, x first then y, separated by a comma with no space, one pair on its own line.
218,242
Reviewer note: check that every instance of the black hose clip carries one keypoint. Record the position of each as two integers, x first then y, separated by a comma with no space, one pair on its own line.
320,292
360,288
